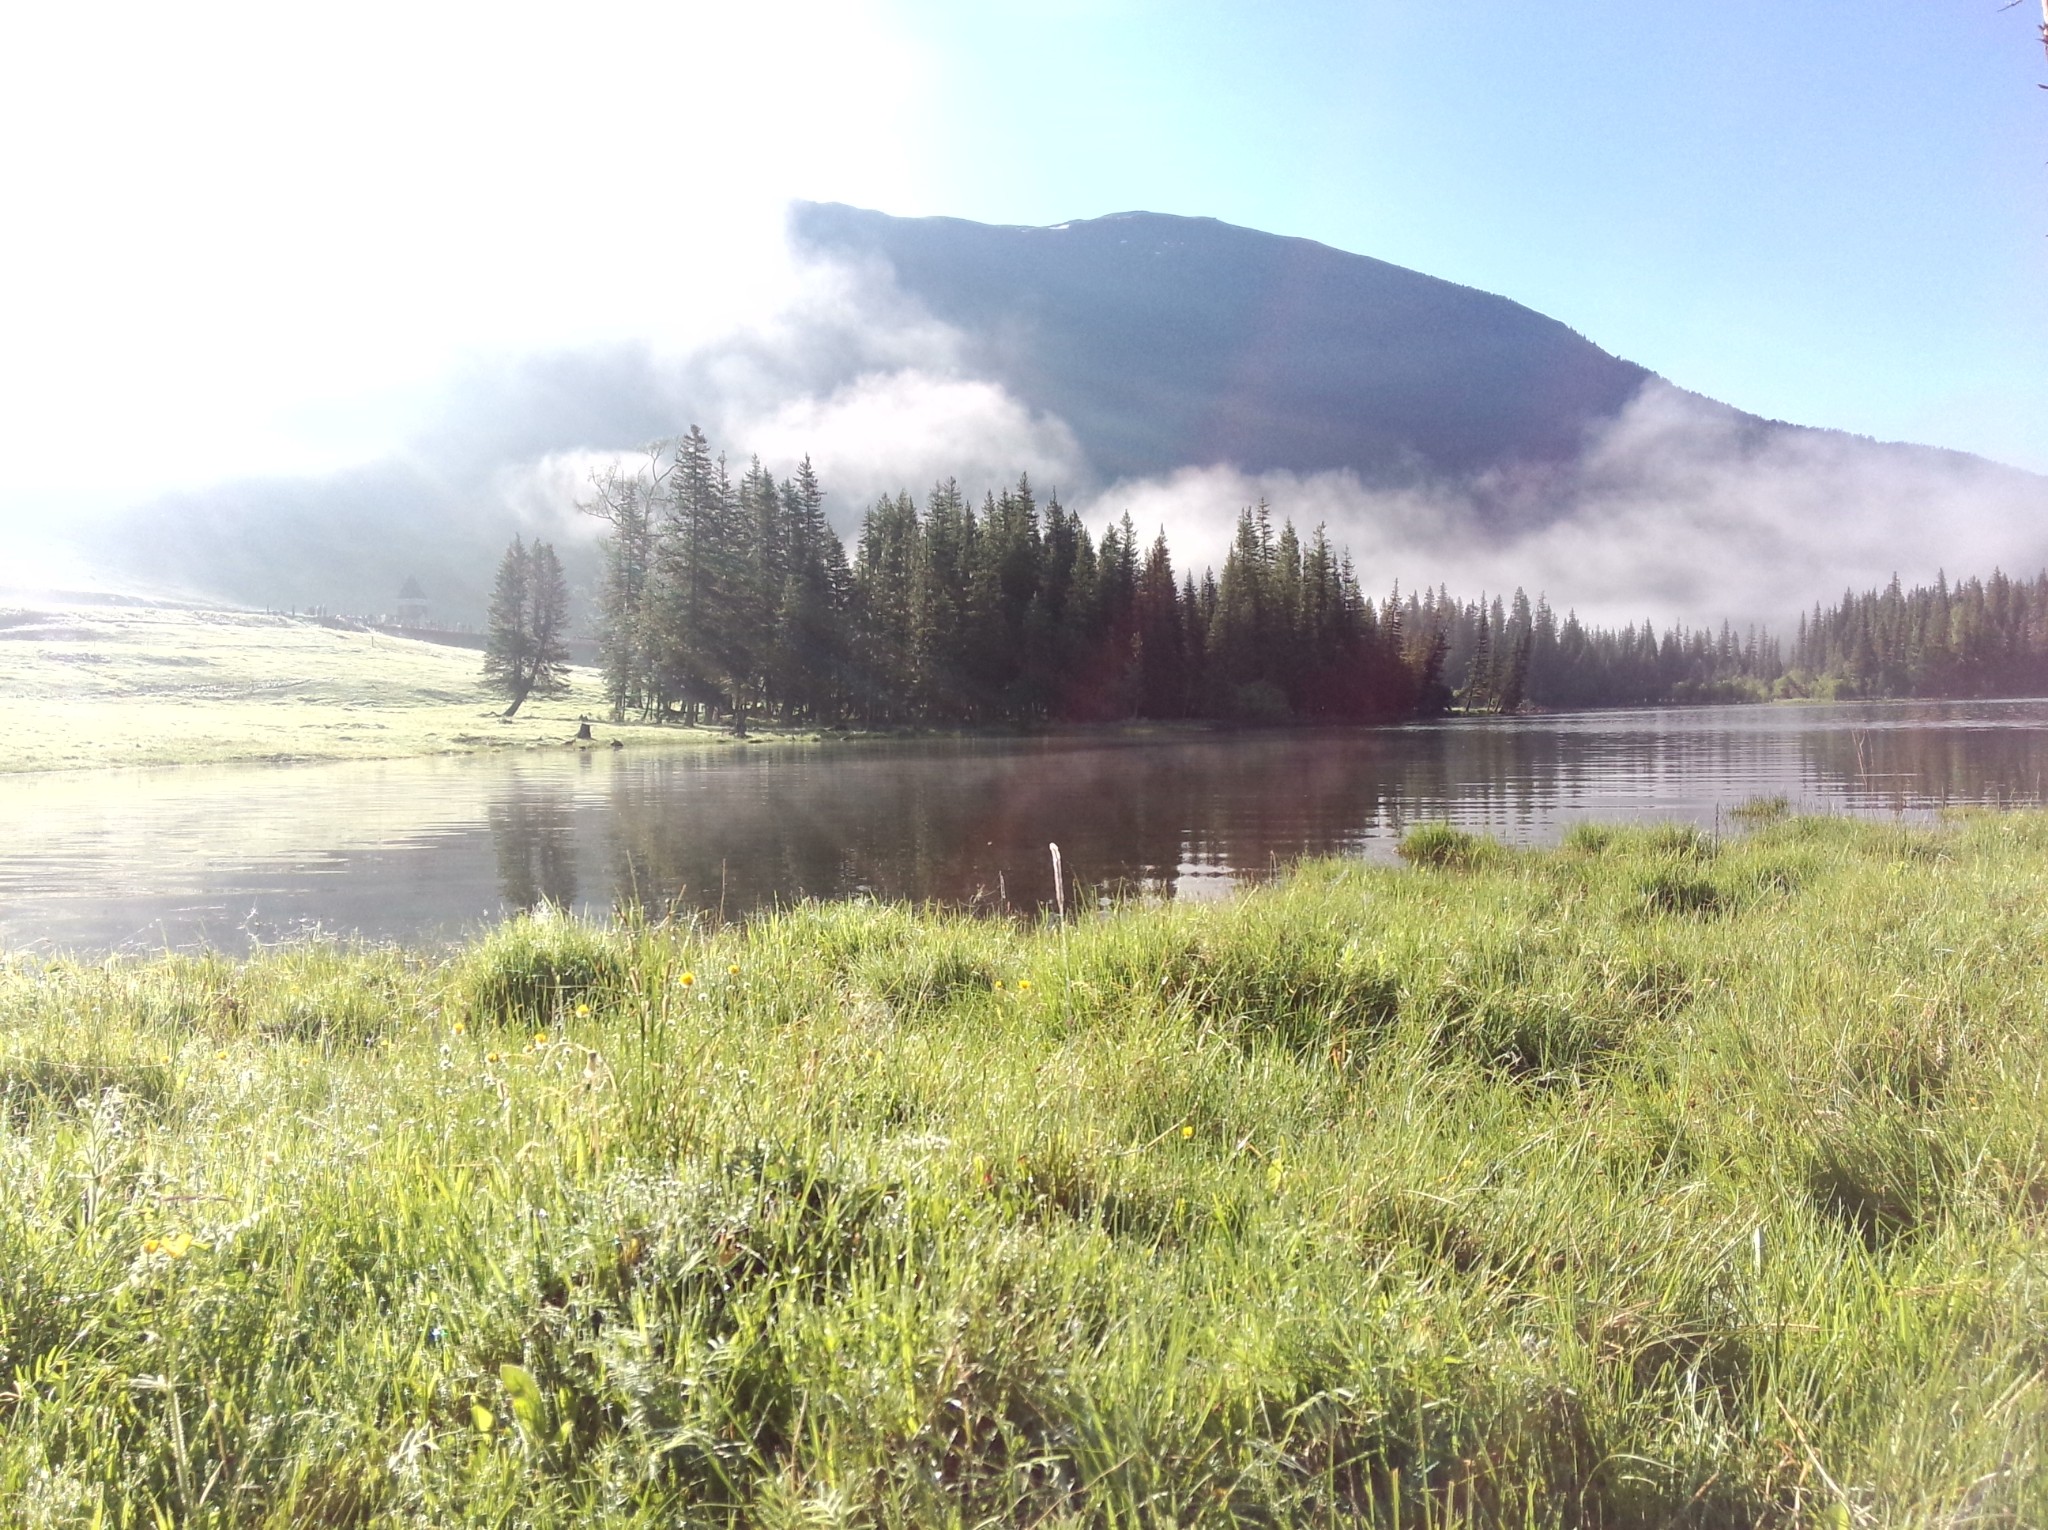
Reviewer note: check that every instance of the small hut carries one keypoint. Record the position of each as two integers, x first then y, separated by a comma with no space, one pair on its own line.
412,605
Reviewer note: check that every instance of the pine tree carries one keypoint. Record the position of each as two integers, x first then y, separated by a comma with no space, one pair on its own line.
623,501
1477,694
1161,690
526,644
808,656
681,602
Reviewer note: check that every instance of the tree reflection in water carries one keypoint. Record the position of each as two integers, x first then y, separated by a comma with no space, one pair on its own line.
533,832
411,850
969,824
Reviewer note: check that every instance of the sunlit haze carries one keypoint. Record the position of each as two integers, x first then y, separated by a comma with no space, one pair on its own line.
259,242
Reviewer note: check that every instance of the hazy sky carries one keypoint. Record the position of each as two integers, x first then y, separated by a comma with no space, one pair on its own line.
246,239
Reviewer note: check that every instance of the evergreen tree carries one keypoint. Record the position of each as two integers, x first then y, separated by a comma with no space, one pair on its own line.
526,642
623,501
809,653
1161,689
1478,692
682,602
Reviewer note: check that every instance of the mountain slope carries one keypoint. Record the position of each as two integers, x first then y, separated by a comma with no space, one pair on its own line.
1169,341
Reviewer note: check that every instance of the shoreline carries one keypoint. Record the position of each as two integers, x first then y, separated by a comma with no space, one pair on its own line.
101,688
1736,1174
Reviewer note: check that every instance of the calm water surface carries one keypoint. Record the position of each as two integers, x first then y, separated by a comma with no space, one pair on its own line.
422,850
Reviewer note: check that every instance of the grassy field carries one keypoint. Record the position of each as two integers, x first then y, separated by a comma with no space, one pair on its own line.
1645,1182
92,686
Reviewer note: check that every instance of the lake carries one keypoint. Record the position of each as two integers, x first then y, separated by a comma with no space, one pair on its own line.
425,850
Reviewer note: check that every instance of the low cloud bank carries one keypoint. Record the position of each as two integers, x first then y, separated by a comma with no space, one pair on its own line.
1680,510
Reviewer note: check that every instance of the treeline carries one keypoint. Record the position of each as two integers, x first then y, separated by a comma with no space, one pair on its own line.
734,598
1503,654
1981,637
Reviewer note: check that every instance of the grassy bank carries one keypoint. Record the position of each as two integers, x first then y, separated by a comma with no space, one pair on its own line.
1641,1183
93,686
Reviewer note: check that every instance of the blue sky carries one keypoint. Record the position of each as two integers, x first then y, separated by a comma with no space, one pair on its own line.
252,239
1828,213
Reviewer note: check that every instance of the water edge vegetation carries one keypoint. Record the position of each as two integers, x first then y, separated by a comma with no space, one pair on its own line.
1653,1180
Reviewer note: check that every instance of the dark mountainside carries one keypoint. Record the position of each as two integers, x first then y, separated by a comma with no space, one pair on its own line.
1162,342
1168,341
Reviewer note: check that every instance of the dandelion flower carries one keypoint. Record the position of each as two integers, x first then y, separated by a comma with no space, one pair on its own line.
1187,1131
460,1028
687,979
492,1057
152,1245
540,1038
583,1012
1023,984
221,1056
734,969
999,985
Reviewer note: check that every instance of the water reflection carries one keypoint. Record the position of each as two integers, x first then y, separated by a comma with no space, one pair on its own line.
534,836
421,850
1983,759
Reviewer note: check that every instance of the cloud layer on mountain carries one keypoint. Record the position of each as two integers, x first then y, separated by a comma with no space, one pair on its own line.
1671,507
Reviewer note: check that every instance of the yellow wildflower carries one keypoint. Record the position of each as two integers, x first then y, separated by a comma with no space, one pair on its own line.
491,1057
734,969
583,1012
460,1028
687,979
1187,1131
540,1038
1023,984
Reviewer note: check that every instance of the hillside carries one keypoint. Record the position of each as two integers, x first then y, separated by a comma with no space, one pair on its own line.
1168,341
87,687
1130,348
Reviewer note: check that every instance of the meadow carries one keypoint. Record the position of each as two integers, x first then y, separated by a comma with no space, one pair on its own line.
1653,1180
91,686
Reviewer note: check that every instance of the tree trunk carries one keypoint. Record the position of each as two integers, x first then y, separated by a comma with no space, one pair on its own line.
518,700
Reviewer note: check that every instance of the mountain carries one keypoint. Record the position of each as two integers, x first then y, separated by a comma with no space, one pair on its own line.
1166,342
1460,436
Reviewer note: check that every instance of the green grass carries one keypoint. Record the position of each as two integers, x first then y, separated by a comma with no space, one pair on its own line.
93,686
1650,1181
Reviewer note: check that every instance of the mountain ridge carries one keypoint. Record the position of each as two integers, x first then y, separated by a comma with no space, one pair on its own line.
1169,341
1334,360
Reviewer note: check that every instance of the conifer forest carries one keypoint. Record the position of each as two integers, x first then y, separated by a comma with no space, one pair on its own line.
733,599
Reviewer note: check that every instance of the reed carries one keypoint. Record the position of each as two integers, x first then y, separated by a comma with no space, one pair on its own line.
1654,1180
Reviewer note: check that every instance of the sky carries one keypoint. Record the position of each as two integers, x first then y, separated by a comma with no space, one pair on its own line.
247,240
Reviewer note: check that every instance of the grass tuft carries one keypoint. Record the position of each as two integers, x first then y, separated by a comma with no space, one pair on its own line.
1445,847
1550,1193
532,969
